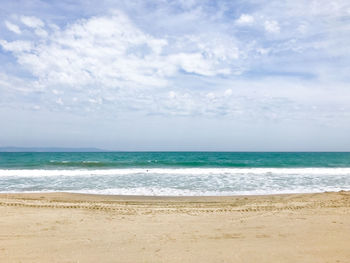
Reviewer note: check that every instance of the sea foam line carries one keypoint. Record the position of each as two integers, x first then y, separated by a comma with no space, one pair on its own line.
144,191
173,171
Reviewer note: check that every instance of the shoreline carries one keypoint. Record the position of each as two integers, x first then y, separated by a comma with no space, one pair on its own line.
116,196
140,196
173,198
67,227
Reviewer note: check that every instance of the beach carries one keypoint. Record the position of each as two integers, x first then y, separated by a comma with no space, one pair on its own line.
65,227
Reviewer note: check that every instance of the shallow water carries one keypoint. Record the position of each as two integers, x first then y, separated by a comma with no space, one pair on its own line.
174,173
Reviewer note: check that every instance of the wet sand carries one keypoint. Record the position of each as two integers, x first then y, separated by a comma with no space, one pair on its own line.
62,227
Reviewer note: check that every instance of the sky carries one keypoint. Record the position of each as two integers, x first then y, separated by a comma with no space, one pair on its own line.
161,75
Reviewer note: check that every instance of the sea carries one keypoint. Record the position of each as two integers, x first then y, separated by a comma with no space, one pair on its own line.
175,173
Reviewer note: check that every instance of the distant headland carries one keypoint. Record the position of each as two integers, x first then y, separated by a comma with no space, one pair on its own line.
49,149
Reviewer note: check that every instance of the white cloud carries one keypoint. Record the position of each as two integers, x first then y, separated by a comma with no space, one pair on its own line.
110,63
8,83
12,27
172,94
18,46
32,21
110,51
36,107
272,26
228,92
245,19
195,63
41,32
107,51
59,101
302,29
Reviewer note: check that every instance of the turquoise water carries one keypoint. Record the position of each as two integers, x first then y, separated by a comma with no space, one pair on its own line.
175,173
108,160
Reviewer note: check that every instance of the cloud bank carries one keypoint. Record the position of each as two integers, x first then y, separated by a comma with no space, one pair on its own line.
254,61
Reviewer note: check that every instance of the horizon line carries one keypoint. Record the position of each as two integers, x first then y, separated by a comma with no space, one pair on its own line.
95,149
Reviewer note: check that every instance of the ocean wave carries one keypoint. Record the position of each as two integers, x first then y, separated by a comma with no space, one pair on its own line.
173,171
177,182
144,191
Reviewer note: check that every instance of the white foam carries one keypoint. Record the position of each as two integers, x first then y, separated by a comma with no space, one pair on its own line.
174,171
144,191
178,181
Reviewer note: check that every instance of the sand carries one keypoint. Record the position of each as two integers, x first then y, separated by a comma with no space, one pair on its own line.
62,227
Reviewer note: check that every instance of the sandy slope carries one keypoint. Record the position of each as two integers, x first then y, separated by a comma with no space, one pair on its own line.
89,228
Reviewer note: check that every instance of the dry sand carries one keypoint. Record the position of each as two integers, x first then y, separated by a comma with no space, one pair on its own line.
62,227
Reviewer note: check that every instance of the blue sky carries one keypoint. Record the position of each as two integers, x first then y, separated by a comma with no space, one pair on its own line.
176,75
